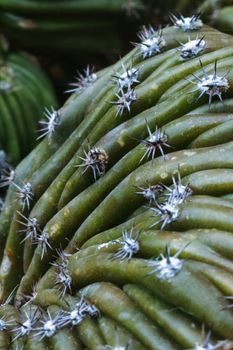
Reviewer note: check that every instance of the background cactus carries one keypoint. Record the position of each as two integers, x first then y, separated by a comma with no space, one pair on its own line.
117,228
70,26
24,93
221,18
65,35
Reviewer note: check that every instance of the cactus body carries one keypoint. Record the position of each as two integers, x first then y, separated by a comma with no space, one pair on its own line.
69,26
120,234
25,92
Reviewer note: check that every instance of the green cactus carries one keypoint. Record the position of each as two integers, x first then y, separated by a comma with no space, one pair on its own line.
218,13
24,93
116,232
223,19
70,26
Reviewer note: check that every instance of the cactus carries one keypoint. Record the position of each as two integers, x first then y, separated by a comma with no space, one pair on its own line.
116,232
24,92
71,26
218,13
222,19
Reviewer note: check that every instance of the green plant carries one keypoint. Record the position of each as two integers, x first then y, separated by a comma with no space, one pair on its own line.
71,26
123,238
24,93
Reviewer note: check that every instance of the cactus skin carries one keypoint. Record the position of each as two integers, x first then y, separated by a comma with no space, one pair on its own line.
107,267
